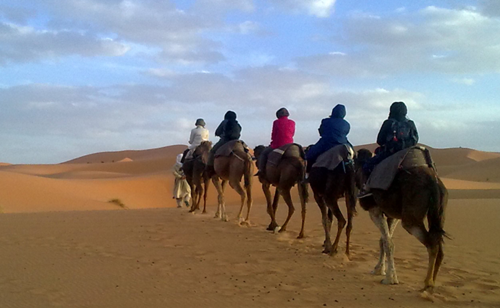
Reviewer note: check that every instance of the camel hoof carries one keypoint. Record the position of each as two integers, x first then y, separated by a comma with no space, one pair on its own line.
428,289
378,271
388,281
300,236
277,229
272,226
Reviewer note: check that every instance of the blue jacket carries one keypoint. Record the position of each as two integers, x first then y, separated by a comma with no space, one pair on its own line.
334,130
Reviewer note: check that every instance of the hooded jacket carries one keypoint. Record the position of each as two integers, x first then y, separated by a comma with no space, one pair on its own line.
335,129
397,113
229,128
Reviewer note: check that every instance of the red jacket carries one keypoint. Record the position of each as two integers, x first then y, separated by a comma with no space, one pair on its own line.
283,131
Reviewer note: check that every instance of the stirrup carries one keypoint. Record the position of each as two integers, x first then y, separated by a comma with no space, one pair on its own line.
364,193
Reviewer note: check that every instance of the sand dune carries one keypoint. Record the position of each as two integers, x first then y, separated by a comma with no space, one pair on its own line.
102,231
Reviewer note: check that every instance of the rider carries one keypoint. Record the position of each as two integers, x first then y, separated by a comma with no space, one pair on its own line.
229,129
198,135
333,131
282,133
387,142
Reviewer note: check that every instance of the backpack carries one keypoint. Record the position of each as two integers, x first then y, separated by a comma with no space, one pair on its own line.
399,137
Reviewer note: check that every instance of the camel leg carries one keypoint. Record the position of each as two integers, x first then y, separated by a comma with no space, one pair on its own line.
276,201
248,189
288,200
220,196
302,194
388,246
267,192
433,249
334,208
206,183
350,201
439,260
326,221
235,184
380,267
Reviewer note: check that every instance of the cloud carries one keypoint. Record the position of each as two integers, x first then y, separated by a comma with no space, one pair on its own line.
431,40
318,8
112,27
464,81
489,7
25,44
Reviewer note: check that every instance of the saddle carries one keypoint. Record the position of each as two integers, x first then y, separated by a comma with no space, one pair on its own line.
384,173
334,156
231,146
284,151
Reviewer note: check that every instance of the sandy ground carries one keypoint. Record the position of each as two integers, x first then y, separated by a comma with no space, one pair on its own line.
63,244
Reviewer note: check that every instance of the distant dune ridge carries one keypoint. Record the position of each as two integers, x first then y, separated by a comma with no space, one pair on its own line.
110,220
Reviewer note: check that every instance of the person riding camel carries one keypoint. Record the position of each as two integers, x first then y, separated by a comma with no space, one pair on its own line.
333,131
396,133
229,129
282,133
198,135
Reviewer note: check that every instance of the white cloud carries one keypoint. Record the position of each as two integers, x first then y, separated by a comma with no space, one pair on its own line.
464,81
431,40
22,44
318,8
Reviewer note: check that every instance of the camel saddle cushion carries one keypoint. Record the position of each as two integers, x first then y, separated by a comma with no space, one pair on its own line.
334,156
384,173
287,150
227,148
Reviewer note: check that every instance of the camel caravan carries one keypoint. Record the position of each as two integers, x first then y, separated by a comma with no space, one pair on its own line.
398,182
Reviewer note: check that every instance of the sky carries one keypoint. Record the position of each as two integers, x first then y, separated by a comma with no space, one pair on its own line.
85,76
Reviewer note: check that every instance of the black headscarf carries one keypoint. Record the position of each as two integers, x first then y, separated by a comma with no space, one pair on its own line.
230,115
398,111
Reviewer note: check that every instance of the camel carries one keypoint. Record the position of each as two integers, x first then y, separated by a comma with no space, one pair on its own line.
232,168
194,169
416,194
284,175
328,187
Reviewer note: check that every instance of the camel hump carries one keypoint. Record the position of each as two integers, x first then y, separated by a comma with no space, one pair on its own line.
290,150
385,172
334,156
233,146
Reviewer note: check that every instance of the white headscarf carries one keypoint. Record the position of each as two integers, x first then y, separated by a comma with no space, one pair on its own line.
178,160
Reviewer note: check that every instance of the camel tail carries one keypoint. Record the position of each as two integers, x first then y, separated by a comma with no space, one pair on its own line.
304,189
435,215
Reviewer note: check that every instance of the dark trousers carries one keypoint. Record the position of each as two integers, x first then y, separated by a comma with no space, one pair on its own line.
374,161
263,159
316,150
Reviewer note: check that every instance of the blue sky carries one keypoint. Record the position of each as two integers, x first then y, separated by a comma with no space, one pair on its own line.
85,76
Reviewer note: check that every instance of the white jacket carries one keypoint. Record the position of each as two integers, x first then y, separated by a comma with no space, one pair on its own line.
198,135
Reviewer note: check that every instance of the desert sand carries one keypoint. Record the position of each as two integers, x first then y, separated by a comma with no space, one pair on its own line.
64,242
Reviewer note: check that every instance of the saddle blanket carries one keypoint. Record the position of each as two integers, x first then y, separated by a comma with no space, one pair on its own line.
291,150
334,156
227,148
384,173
